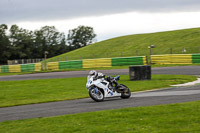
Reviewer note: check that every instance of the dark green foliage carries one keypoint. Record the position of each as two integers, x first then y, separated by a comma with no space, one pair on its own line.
4,44
19,43
81,36
49,39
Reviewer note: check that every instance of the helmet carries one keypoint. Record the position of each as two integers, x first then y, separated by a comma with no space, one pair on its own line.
93,73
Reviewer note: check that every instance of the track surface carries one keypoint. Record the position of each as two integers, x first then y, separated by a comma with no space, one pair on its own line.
182,70
166,96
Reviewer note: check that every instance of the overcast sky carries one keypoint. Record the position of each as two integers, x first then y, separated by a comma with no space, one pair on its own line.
109,18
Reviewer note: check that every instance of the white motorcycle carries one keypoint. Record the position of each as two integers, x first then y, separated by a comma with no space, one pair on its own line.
103,87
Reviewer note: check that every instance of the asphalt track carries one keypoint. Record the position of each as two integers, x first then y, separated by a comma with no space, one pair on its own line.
157,97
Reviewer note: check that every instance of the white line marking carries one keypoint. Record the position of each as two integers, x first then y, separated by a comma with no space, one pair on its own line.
167,93
189,83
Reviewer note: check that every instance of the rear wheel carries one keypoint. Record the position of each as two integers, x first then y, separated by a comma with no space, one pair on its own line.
126,92
96,94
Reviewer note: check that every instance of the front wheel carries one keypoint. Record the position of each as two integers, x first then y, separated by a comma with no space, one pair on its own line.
126,92
96,94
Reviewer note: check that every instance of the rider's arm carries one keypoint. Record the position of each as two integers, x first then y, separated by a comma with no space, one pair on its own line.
100,75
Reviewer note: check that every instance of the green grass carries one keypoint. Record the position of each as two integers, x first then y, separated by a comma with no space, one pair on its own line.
47,90
173,118
133,45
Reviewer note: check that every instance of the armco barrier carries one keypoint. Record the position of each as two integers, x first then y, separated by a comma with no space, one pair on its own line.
85,63
95,63
4,69
64,65
175,59
195,58
14,68
38,67
20,68
70,64
53,66
122,61
27,67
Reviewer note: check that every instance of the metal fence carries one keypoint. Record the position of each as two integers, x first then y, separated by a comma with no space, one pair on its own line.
23,61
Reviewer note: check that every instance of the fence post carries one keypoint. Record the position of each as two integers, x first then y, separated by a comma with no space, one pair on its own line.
107,55
184,50
147,60
65,58
170,50
136,52
121,54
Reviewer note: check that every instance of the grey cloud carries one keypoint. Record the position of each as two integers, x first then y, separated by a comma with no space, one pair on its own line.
33,10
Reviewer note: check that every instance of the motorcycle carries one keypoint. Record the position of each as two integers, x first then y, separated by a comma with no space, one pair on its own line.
103,88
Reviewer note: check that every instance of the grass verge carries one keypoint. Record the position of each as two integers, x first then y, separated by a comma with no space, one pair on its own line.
173,118
48,90
133,45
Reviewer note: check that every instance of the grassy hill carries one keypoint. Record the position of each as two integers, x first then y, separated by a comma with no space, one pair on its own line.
133,45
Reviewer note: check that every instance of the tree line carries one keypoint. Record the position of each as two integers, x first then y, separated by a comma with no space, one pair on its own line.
19,43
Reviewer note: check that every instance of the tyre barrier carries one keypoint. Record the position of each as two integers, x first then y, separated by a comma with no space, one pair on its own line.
21,68
97,63
75,64
105,62
175,59
123,61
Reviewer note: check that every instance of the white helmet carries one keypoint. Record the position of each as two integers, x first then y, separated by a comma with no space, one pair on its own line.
93,73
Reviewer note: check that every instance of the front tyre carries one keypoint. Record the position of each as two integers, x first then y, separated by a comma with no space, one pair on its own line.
126,92
96,94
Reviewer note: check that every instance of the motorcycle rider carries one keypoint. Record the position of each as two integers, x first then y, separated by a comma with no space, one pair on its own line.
98,75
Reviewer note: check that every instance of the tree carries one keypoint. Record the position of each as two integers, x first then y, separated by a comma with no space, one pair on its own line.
49,39
21,42
81,36
4,44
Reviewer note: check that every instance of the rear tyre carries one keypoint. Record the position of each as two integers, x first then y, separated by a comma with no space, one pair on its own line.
126,92
96,96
